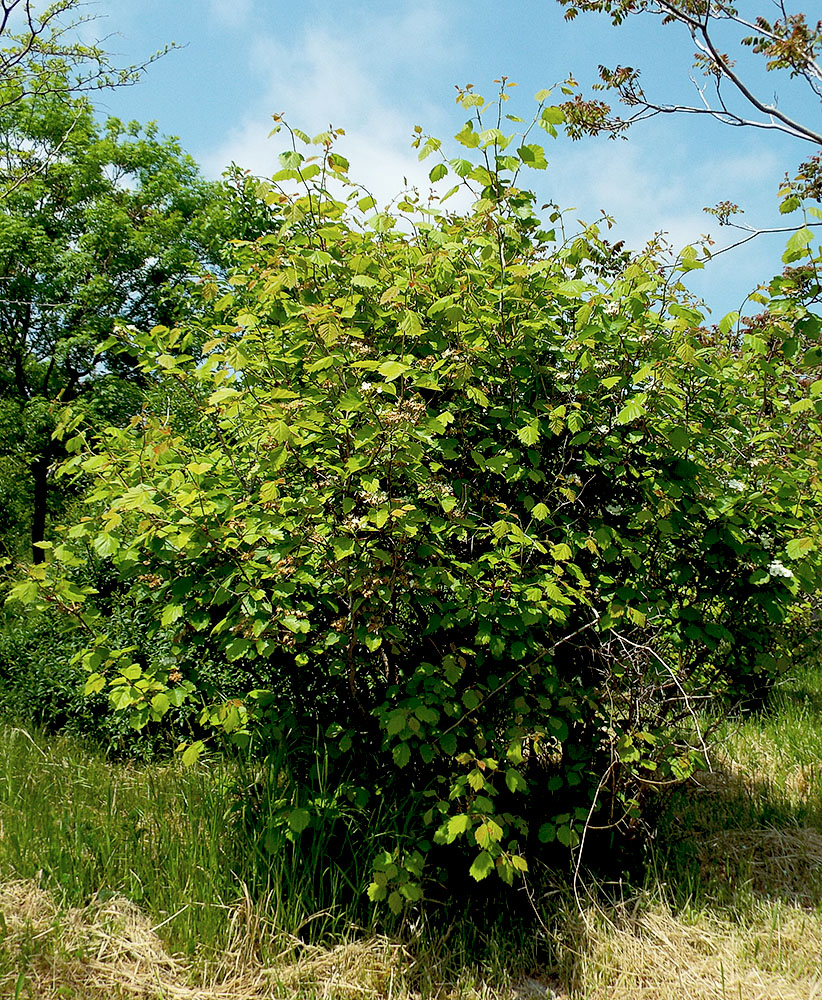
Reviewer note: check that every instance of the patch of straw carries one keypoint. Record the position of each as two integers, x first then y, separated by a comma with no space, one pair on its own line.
111,949
662,956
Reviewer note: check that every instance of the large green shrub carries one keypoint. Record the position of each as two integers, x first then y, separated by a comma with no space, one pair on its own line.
484,507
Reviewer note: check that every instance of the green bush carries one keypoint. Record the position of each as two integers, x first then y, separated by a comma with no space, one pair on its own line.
487,504
42,682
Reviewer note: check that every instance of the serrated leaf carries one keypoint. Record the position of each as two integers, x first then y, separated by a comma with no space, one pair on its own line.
94,684
437,173
800,239
395,903
799,547
192,752
299,819
392,369
529,434
637,617
553,115
632,410
396,722
377,892
515,781
487,833
567,836
171,613
401,754
539,511
457,825
547,833
343,547
482,866
727,323
160,703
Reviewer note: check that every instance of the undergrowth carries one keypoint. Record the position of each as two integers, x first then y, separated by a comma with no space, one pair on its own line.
101,862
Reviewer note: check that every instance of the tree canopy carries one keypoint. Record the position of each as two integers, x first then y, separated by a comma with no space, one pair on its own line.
97,223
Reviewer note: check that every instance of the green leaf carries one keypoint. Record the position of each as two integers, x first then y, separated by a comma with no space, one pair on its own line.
728,322
160,703
529,434
553,115
377,892
633,409
482,866
343,547
797,243
401,754
533,156
238,648
299,819
799,547
171,613
396,722
515,781
395,903
457,825
437,173
567,836
572,289
392,369
192,752
539,511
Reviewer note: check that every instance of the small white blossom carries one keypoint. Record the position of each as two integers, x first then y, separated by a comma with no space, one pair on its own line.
767,540
613,509
735,484
366,386
777,569
612,309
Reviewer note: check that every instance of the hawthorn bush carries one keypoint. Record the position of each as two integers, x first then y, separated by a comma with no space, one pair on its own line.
487,511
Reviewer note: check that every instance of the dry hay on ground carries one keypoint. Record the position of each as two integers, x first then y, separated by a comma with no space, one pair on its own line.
661,956
641,952
111,950
772,863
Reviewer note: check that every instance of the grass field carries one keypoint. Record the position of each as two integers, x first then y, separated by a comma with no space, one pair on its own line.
126,881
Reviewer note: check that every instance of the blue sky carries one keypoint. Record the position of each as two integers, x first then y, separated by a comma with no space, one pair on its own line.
378,69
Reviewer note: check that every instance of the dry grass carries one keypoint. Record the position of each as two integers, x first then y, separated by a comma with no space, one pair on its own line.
737,916
110,950
658,955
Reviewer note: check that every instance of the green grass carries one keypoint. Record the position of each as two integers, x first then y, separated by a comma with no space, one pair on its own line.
85,828
733,893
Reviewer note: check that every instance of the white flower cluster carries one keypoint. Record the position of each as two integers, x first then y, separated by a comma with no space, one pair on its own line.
735,484
777,569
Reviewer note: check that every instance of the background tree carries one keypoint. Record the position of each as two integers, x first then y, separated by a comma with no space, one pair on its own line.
42,53
788,43
98,222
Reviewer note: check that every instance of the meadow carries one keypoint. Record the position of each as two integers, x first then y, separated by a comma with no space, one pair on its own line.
139,880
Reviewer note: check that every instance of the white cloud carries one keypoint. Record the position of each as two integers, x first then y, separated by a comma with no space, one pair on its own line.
370,78
342,78
650,186
233,13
